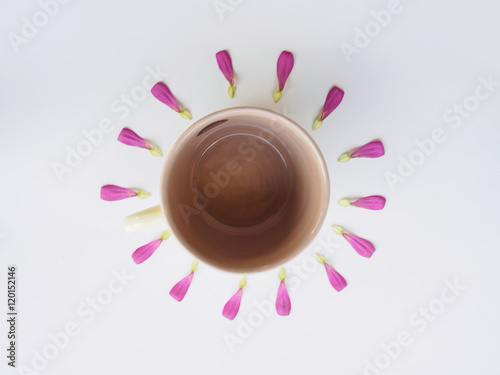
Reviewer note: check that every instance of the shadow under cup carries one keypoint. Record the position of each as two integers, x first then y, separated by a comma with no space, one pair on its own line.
245,189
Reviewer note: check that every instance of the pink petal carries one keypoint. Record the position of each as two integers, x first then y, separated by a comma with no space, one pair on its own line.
180,289
362,246
144,252
130,138
373,202
284,68
335,278
283,304
225,65
161,92
116,193
232,306
333,99
370,150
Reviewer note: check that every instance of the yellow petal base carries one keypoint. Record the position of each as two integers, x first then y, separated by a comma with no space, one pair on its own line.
320,258
338,230
194,266
277,96
282,274
317,124
166,235
243,282
185,114
344,158
143,194
155,151
344,202
230,91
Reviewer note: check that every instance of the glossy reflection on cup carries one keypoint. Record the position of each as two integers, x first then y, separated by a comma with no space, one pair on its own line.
245,189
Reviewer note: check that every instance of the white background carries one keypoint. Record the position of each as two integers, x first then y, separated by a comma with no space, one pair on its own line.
440,224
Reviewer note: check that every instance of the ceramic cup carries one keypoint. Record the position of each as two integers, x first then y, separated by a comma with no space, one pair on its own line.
243,189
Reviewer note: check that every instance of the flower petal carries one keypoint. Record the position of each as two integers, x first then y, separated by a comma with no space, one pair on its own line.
370,150
225,65
243,282
144,252
185,114
320,258
282,274
232,306
143,194
283,304
363,247
131,138
155,151
277,96
344,202
337,229
284,68
116,193
373,202
344,158
317,124
194,266
180,289
335,278
161,92
333,99
165,235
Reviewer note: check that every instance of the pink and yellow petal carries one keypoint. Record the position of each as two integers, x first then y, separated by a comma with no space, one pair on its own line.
283,69
370,150
333,100
335,278
178,292
372,202
226,66
161,92
363,247
283,304
144,252
131,138
116,193
232,306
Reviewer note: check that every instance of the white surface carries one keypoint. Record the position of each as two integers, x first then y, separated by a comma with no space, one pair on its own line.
440,224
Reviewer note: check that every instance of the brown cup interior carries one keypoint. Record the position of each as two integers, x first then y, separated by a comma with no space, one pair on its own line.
245,189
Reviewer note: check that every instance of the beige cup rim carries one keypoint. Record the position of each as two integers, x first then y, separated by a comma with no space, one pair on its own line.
249,111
